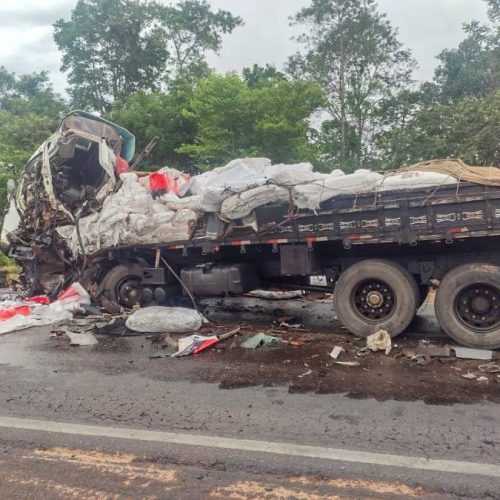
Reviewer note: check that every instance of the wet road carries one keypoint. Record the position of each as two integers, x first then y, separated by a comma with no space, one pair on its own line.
92,422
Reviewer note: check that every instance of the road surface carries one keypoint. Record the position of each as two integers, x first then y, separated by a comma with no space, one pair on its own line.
95,422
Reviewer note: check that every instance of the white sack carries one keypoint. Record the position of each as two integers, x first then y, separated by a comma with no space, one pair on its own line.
241,205
310,196
239,175
157,319
413,180
173,202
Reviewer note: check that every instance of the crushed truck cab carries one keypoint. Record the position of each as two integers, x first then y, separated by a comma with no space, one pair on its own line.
380,241
67,177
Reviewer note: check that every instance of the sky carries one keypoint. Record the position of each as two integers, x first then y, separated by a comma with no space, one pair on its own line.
425,26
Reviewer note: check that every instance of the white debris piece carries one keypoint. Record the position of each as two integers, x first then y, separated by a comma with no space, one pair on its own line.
83,339
241,205
336,351
158,319
379,341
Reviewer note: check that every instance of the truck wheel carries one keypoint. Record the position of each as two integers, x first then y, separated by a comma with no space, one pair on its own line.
468,305
121,288
376,294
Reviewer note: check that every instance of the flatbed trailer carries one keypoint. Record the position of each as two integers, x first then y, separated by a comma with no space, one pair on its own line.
380,253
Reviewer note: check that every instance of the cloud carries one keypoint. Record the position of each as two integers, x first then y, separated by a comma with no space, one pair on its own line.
29,14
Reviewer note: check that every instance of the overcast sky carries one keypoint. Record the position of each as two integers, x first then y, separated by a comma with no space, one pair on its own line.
425,26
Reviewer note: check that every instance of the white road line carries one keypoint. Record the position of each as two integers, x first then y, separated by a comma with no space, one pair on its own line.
293,450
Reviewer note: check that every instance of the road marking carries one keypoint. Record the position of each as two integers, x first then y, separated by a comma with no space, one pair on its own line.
288,449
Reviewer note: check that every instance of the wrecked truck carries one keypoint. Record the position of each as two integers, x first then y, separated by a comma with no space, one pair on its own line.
380,242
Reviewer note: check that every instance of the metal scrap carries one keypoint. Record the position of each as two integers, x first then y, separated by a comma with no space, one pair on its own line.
468,353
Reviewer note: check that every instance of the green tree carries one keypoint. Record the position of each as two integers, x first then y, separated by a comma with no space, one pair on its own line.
159,114
472,69
260,76
110,49
29,113
235,120
456,115
352,51
190,30
114,48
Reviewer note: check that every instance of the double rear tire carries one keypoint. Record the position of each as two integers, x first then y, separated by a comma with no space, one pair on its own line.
376,295
468,305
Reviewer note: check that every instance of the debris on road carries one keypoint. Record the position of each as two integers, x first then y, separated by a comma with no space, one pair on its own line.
379,341
194,344
36,311
159,319
276,295
347,363
489,368
337,350
433,351
261,339
468,353
81,339
305,374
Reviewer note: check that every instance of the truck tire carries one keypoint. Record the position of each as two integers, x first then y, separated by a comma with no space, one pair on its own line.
121,288
376,295
468,305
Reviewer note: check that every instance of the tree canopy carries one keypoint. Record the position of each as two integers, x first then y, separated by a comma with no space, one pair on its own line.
113,48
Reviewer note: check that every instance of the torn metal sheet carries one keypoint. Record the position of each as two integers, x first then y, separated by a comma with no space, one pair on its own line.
468,353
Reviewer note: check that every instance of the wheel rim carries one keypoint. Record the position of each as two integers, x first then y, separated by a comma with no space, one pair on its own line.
477,307
374,300
128,291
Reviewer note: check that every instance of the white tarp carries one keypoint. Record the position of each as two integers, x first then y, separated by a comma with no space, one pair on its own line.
413,180
311,195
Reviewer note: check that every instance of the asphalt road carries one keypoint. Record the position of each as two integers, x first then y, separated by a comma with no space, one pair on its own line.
101,421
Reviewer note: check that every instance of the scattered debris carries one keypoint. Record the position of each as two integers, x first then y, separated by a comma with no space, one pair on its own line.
468,353
115,327
348,363
194,344
337,350
36,311
489,368
469,376
159,319
81,339
276,295
483,379
261,339
295,326
305,374
379,341
433,351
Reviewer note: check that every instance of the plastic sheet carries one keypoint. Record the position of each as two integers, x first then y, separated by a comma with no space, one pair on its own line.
19,315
